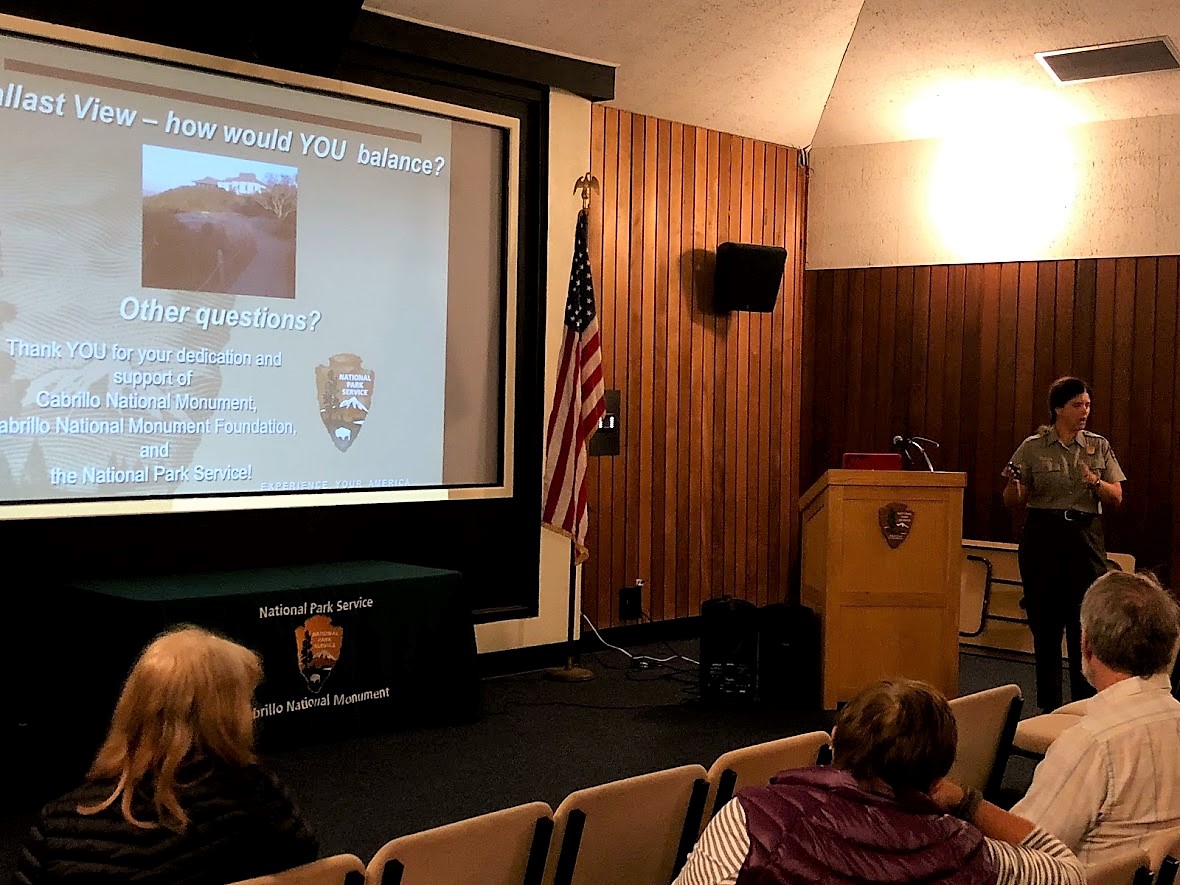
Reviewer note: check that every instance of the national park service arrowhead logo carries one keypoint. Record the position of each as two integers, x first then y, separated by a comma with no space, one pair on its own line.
344,388
895,520
319,644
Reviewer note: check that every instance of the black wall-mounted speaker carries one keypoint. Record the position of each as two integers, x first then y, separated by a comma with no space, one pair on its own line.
747,277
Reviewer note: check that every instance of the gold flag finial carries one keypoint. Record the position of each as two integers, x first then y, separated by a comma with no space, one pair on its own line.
585,184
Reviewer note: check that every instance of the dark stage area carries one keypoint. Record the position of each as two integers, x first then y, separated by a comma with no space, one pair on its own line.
537,739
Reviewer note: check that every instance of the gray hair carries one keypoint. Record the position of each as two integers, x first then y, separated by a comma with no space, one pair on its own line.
1131,623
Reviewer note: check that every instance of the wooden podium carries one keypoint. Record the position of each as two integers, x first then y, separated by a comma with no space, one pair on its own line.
882,556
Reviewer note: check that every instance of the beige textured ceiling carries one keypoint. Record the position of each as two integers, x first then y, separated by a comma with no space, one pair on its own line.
767,68
917,68
760,68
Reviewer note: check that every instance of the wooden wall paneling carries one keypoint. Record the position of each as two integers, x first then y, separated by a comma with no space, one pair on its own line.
717,226
1141,508
1044,331
1103,377
792,443
840,376
701,501
598,534
1009,427
1027,415
1084,304
749,402
610,510
816,370
723,527
936,360
646,354
967,409
1173,448
701,398
903,360
771,396
729,229
635,351
686,329
779,396
872,421
618,500
783,398
990,451
983,342
884,378
672,386
854,410
658,392
738,358
1117,417
1065,285
952,377
760,382
919,346
1163,375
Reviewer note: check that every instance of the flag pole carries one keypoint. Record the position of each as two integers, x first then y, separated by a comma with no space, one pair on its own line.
571,673
577,409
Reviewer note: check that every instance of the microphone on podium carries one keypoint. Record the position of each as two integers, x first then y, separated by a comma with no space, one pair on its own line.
915,442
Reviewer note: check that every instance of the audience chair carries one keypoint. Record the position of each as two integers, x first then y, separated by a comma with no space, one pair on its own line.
975,590
340,869
507,847
1163,844
1130,869
636,831
756,765
1035,735
1120,562
987,721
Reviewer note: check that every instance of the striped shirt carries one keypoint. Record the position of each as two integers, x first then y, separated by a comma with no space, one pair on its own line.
1111,780
718,857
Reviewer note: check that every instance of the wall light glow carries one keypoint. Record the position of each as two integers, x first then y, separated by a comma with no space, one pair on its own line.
1006,178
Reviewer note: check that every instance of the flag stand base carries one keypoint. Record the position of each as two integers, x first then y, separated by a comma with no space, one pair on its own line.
569,673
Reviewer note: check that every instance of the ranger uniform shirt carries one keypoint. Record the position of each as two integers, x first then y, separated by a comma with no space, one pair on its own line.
1052,470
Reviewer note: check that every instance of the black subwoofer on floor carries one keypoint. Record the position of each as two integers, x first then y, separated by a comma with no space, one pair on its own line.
769,654
729,649
788,656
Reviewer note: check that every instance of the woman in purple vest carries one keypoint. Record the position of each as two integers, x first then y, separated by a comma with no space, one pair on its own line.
882,813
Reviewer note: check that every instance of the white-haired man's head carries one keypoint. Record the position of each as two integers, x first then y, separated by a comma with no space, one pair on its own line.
1130,627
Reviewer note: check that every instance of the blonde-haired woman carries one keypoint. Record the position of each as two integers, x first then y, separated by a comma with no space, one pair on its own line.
175,794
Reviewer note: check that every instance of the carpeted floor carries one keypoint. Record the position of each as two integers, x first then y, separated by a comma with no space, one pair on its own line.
537,739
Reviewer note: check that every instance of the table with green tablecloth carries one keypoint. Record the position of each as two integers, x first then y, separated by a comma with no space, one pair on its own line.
347,647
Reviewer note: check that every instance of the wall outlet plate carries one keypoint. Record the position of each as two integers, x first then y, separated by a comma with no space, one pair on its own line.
630,603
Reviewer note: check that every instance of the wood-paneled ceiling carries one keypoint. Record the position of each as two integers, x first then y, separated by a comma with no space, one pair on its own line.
834,72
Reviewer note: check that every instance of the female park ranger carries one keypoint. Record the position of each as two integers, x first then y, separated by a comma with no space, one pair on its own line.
1064,474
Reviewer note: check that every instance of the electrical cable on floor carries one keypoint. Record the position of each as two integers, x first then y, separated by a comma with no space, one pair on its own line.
648,658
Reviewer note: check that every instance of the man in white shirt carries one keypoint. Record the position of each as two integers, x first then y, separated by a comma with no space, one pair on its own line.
1113,779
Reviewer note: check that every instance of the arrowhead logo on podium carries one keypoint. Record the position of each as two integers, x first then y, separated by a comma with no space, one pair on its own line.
896,520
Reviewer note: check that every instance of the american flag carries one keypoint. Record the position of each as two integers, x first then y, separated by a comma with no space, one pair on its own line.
577,404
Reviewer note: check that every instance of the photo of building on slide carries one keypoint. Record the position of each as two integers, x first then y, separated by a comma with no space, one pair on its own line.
218,224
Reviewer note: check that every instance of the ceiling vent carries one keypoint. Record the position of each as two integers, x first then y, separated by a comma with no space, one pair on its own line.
1110,60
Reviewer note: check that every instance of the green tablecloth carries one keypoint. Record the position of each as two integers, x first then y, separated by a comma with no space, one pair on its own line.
346,648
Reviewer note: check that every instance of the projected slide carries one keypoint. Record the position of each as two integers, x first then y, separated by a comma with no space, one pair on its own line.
213,286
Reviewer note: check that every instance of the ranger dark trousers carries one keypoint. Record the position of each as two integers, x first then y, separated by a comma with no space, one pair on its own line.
1061,554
